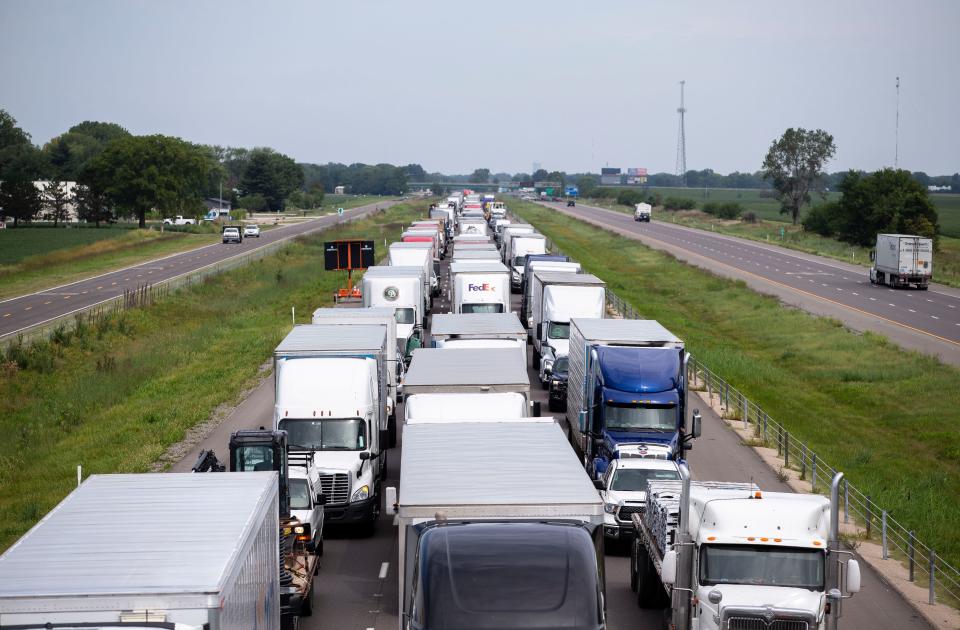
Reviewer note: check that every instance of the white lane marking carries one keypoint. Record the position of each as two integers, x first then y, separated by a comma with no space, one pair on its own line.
28,308
893,305
9,314
934,316
931,301
823,285
48,301
855,293
384,567
873,299
911,310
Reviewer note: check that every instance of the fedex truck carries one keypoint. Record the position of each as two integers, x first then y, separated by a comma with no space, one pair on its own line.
479,288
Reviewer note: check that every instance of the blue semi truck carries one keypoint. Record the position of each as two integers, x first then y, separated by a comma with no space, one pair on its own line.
627,392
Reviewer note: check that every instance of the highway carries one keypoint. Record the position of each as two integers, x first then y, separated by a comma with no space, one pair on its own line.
19,313
357,586
928,321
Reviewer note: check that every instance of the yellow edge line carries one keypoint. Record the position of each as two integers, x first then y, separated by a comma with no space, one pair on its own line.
785,286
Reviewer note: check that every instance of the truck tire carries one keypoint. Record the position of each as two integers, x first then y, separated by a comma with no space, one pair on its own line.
535,359
306,608
650,593
392,431
383,466
634,557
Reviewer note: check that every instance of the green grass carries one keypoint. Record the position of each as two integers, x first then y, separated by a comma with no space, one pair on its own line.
22,242
948,205
885,416
114,396
946,268
45,264
332,202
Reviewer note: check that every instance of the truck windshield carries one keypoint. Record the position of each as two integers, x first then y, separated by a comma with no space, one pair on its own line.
635,479
561,365
762,566
405,315
481,308
253,458
299,494
327,434
558,330
630,417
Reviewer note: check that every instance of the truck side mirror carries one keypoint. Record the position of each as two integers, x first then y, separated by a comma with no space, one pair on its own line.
391,499
598,484
853,576
535,407
668,570
873,255
364,455
697,423
321,498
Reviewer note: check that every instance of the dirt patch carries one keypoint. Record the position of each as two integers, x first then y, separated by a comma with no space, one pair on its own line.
198,433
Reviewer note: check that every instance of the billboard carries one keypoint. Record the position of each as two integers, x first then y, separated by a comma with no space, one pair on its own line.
609,176
636,176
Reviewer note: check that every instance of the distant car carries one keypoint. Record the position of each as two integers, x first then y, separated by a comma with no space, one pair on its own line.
571,202
179,220
232,235
251,229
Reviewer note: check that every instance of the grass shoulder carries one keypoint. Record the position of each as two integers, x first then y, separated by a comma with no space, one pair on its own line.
882,415
115,395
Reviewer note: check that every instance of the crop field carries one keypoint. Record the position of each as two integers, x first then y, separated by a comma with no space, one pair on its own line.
883,415
23,242
115,394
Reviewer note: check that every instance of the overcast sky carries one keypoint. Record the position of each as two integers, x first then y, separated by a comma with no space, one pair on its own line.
457,85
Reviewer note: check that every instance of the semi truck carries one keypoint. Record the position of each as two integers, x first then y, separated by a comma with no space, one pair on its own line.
520,246
727,555
901,260
332,399
627,392
557,297
395,286
488,539
377,316
442,375
478,330
172,550
508,233
479,288
414,254
546,262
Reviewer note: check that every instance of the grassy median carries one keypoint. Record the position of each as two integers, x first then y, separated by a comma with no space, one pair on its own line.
114,395
885,416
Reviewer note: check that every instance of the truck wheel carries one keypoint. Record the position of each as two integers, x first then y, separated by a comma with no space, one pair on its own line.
650,593
383,466
551,406
392,432
634,552
535,359
306,608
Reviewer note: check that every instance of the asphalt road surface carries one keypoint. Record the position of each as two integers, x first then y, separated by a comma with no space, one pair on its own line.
22,312
928,321
357,586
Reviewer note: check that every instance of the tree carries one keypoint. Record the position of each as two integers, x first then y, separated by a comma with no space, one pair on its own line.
795,164
480,176
57,198
438,189
92,205
70,152
253,203
20,164
272,175
540,175
890,201
143,173
955,183
20,199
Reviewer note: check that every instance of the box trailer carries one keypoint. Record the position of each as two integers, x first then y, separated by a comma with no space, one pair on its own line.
479,288
556,298
172,550
493,524
476,330
901,260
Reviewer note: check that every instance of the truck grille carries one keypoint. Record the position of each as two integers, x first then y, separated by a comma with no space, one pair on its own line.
759,623
625,511
336,487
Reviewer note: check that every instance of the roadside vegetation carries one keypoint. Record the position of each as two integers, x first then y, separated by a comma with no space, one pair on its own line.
115,393
884,416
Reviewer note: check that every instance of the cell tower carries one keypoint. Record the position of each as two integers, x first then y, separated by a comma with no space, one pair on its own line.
896,145
682,141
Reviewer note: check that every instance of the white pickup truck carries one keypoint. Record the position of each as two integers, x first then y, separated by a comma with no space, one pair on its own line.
179,220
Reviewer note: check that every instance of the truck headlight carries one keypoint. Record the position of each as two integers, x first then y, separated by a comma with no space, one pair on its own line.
610,508
362,493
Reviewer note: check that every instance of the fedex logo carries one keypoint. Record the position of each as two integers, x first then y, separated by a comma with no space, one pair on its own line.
480,287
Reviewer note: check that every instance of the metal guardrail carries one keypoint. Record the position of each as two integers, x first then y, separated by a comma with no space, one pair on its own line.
897,542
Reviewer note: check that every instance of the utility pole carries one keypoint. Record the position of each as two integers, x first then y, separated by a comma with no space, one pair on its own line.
896,145
682,141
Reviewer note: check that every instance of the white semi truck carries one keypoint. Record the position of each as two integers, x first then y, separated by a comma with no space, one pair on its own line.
417,254
478,330
332,399
492,537
479,288
402,289
534,265
520,246
180,551
558,297
496,379
729,556
508,233
901,260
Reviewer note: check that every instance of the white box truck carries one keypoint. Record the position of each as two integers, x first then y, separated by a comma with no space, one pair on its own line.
476,255
331,398
508,233
901,260
557,297
533,265
373,315
478,330
520,246
642,212
479,288
439,375
172,550
402,289
490,539
727,555
414,254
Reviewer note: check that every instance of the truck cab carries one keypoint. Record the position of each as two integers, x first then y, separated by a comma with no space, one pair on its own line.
636,397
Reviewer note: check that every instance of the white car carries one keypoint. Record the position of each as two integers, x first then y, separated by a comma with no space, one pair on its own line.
251,229
306,505
623,489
